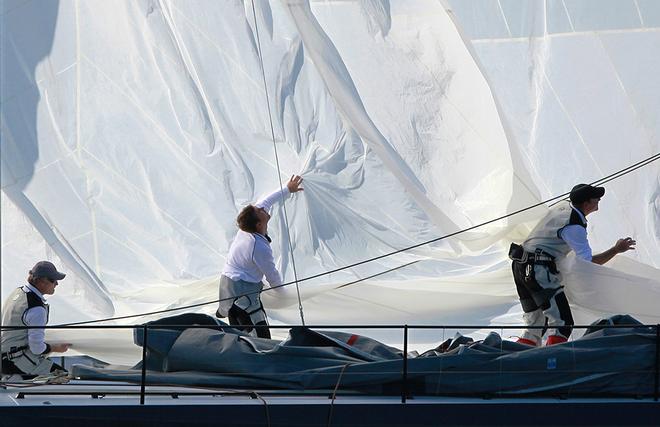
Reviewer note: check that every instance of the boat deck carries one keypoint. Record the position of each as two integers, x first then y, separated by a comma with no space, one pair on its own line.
79,403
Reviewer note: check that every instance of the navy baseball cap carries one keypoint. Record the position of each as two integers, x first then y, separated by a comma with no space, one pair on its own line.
47,270
583,192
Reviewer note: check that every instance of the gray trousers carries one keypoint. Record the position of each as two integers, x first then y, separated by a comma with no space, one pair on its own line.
244,295
31,364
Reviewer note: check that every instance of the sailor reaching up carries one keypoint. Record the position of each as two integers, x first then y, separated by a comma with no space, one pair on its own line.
250,258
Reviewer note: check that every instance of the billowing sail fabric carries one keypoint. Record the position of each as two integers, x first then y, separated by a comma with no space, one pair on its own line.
134,131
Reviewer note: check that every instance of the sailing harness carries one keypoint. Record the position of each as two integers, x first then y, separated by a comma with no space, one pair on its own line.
518,254
27,362
14,353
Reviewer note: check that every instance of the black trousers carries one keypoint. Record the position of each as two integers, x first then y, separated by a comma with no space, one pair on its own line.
238,316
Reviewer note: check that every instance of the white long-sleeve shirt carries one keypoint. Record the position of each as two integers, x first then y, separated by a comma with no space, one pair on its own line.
250,256
36,316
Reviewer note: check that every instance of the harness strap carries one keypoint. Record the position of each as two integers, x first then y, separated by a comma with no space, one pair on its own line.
14,352
519,254
540,256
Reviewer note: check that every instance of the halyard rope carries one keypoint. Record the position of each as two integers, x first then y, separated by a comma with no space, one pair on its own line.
277,162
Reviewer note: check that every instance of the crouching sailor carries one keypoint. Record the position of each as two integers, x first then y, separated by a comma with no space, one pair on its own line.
538,282
24,351
250,258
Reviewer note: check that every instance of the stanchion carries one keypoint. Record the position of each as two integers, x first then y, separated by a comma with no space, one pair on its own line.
656,392
143,381
404,380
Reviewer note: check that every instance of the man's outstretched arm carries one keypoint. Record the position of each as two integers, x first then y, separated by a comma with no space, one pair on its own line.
621,246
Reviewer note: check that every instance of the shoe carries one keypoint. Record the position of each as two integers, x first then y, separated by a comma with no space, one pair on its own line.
526,342
555,339
58,376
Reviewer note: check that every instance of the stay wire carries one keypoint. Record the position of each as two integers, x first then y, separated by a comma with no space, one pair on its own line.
560,197
277,163
617,174
563,196
201,304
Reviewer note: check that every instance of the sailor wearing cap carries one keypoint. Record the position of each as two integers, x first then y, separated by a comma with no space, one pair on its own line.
24,350
538,282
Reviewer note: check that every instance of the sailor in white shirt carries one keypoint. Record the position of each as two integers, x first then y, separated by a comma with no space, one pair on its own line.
250,258
538,282
24,350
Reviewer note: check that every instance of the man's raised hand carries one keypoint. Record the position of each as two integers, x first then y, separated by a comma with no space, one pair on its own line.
294,184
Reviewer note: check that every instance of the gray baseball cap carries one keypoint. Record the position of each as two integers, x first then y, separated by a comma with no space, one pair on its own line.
47,270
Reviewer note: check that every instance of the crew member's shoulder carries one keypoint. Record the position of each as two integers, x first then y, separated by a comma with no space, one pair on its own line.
565,208
34,300
261,241
243,237
562,206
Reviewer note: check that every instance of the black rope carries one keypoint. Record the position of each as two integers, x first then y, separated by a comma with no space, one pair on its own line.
377,274
621,173
560,197
603,180
334,393
258,396
167,310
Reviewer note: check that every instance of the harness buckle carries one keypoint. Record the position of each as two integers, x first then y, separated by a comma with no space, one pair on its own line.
540,255
14,353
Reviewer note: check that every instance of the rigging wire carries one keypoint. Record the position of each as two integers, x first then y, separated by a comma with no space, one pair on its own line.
277,163
615,175
560,197
608,178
